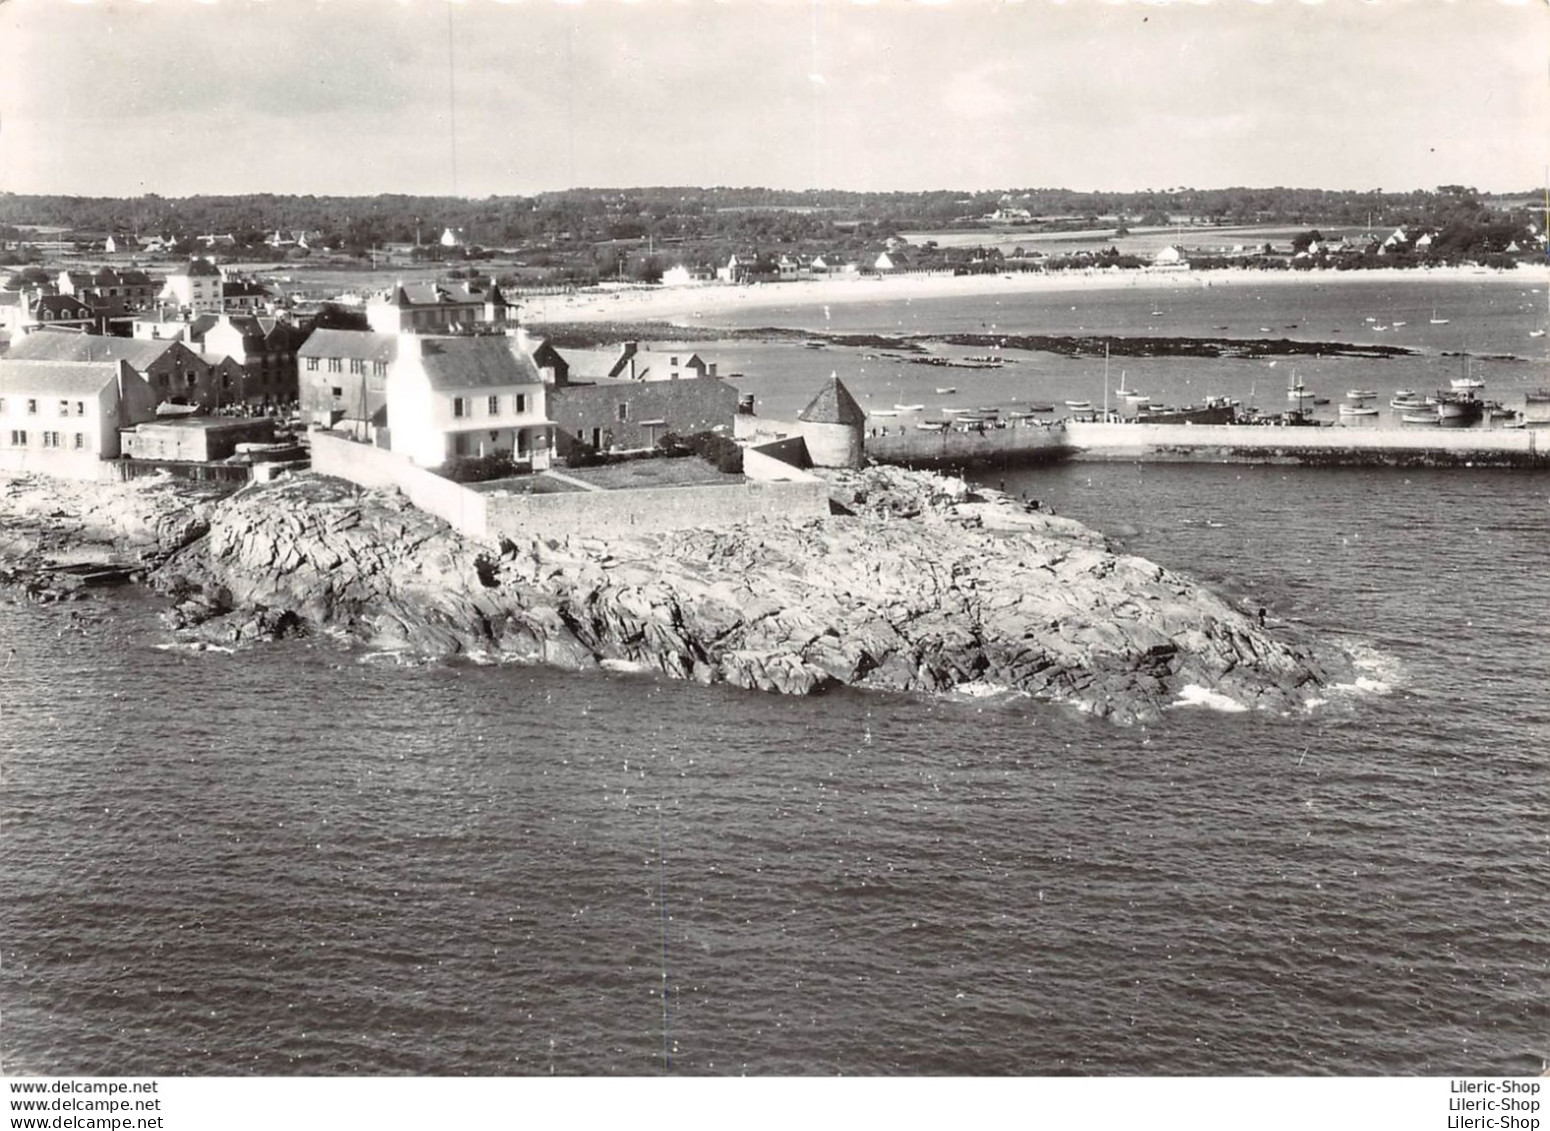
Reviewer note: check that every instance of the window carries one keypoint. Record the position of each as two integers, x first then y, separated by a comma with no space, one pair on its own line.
2,404
624,411
18,437
32,407
80,440
495,406
337,391
379,369
459,444
64,408
459,406
51,439
357,365
334,365
521,402
312,364
80,408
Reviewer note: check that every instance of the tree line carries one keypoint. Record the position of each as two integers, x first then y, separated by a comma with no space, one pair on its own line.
757,216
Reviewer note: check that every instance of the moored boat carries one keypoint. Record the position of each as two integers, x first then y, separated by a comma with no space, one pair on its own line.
946,390
1360,394
1357,410
1420,417
910,407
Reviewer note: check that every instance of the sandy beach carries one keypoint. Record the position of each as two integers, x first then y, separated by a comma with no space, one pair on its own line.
686,304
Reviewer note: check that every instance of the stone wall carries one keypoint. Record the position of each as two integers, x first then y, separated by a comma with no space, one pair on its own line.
602,513
778,461
1018,443
1335,445
489,516
373,467
66,464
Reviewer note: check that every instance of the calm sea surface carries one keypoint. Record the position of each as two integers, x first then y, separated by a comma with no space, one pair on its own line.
296,860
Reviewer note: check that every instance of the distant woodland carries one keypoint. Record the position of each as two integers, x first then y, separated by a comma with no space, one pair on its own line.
599,231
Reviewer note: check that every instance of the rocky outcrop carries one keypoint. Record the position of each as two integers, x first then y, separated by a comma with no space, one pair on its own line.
58,537
923,585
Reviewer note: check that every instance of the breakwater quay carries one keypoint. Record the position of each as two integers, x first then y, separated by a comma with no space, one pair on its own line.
1011,445
1315,447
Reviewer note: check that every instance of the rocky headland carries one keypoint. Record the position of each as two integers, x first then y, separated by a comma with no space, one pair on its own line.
916,583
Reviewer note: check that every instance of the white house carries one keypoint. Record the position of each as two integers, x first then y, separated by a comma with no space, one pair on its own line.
437,308
197,287
63,417
466,396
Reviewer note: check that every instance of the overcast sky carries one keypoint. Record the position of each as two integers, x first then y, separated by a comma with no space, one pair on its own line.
123,97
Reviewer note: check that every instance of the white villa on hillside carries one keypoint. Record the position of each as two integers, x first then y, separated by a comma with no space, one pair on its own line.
472,396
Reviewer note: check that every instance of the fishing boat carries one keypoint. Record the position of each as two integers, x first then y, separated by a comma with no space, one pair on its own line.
1129,397
1360,394
946,390
1536,333
1438,321
1467,383
1080,406
1297,391
1420,418
883,412
1458,410
1357,410
1407,400
932,426
1041,407
910,407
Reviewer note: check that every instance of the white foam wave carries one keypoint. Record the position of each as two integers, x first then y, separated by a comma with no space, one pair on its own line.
1193,695
981,689
622,666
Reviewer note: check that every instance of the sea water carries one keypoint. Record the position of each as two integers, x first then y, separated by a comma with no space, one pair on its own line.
302,859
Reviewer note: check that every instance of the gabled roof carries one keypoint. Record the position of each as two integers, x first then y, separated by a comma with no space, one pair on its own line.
364,345
833,405
241,288
139,352
433,294
199,268
452,364
61,304
56,378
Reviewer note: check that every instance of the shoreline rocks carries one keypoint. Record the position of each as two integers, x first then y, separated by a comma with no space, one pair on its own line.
916,584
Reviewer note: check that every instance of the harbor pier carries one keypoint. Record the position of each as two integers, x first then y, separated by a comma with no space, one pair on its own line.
1310,446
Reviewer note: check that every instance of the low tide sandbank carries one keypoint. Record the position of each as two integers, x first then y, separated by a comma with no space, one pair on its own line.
706,302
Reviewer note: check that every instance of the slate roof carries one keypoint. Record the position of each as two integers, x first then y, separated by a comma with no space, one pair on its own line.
833,405
242,288
452,364
434,294
63,305
364,345
55,378
43,346
200,268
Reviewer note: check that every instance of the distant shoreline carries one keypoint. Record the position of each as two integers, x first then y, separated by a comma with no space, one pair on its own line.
688,304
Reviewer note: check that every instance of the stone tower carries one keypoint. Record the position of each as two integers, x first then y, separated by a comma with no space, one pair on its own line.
834,427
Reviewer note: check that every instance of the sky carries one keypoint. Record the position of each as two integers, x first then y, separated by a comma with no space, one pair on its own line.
497,97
